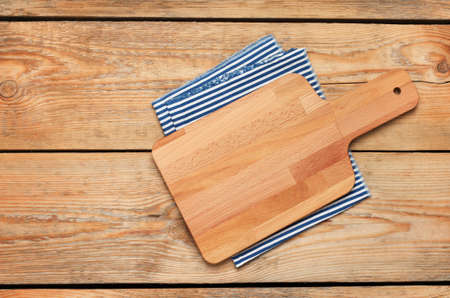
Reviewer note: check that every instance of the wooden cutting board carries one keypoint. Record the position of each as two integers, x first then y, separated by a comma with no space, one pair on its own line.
271,158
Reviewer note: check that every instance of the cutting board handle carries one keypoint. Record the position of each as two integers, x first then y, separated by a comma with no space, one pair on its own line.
374,103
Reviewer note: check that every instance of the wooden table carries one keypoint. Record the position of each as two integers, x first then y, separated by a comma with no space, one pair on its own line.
83,206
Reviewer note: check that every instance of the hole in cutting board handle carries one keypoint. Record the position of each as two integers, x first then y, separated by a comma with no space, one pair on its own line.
397,90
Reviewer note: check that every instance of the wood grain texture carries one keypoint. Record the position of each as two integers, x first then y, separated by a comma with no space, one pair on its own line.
315,9
107,217
424,128
271,158
90,86
305,292
374,103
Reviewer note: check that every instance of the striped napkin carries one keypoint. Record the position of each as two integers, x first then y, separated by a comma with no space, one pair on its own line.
245,71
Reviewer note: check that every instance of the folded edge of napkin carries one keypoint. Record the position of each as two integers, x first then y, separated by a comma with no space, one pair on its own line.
185,110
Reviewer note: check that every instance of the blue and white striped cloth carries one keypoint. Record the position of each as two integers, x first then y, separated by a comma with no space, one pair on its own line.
260,63
245,71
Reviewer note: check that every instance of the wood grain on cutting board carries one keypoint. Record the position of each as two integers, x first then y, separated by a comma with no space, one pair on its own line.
269,159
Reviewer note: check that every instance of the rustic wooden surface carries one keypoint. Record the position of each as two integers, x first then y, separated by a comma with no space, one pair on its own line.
91,89
235,9
108,218
80,77
344,292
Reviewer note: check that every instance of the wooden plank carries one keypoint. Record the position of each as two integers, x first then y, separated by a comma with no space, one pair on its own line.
108,218
385,291
314,9
89,86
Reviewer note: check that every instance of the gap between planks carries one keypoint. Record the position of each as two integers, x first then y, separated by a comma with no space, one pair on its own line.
221,20
149,151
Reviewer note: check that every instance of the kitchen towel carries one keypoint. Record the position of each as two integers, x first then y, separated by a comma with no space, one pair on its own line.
245,71
248,69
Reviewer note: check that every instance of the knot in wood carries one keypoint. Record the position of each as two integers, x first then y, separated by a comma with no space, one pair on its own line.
8,88
442,67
